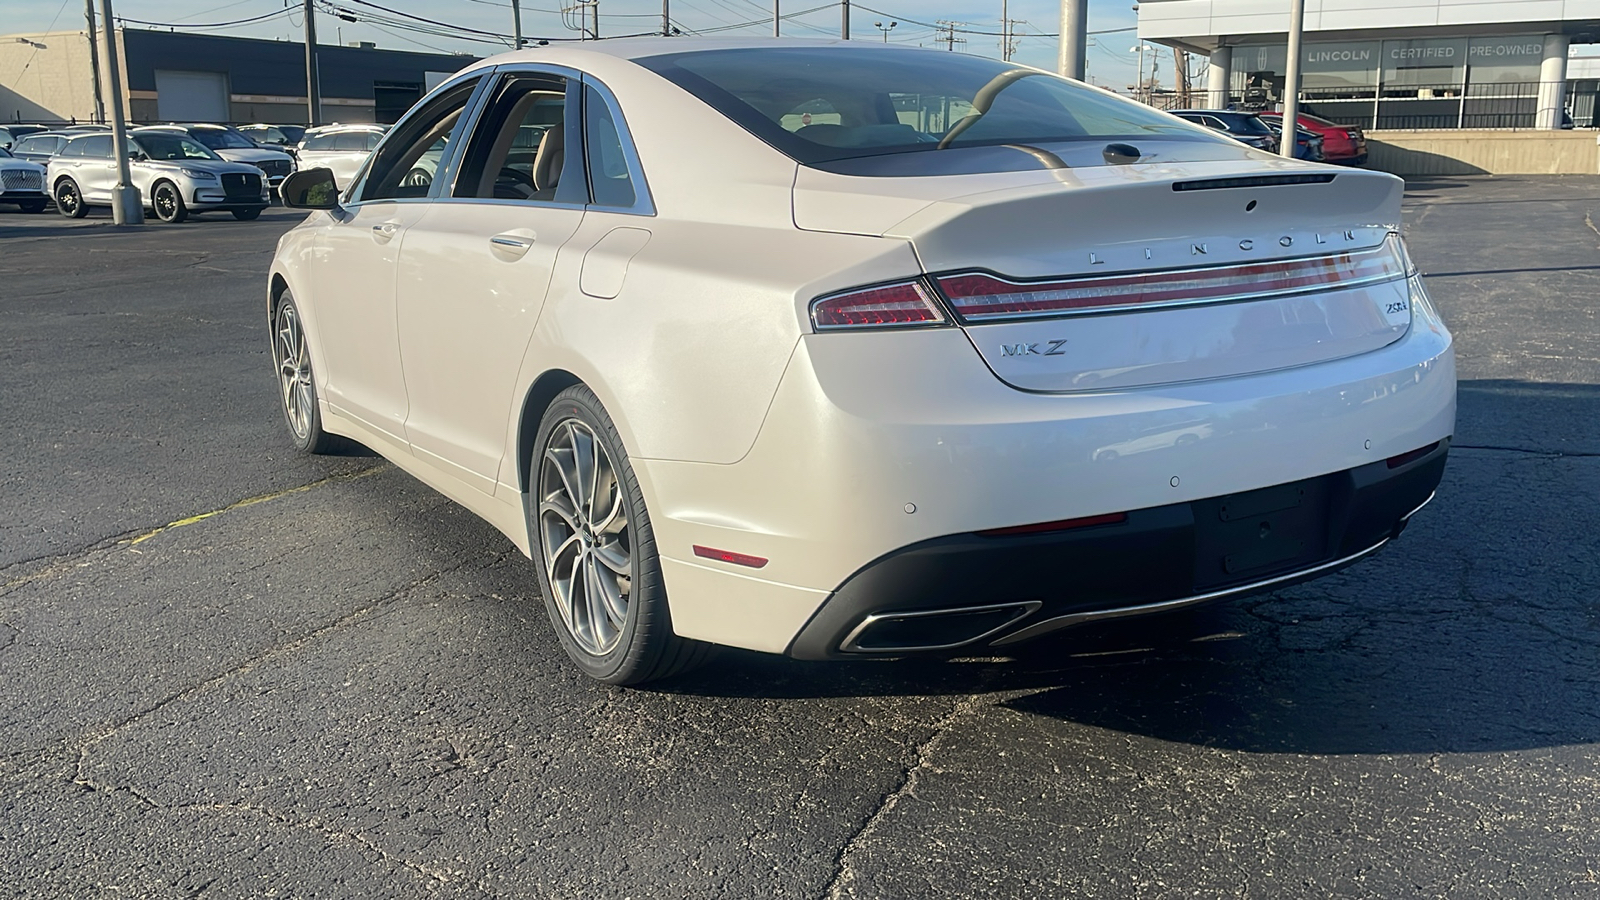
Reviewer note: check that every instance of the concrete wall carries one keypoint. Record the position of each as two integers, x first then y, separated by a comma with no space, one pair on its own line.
1470,152
52,82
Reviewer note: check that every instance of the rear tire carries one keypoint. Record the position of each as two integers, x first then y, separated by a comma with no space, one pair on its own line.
69,200
297,388
168,203
595,553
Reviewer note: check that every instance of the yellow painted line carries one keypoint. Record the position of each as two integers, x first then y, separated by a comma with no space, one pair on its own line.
248,501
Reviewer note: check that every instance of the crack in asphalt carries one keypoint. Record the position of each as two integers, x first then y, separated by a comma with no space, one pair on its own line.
9,635
1530,451
844,874
58,563
79,777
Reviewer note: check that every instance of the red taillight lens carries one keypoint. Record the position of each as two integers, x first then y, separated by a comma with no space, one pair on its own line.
1062,525
980,298
885,306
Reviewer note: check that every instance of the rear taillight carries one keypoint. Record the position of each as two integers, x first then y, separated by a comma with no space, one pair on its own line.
884,306
978,297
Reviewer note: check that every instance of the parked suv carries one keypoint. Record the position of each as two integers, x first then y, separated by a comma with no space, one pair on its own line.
175,174
39,147
286,136
233,146
22,183
10,134
340,148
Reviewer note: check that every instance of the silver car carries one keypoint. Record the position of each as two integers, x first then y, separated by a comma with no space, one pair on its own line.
234,146
341,149
175,174
22,183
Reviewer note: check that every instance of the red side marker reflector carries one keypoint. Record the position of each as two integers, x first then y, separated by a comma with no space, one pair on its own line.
1396,462
728,556
1061,525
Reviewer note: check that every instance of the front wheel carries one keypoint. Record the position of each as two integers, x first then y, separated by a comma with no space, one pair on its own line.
594,550
291,354
69,200
168,203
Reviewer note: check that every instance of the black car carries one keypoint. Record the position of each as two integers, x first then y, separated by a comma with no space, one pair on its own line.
40,146
9,134
1244,127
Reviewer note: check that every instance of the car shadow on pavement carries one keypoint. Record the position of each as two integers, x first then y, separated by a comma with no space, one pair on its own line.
1478,630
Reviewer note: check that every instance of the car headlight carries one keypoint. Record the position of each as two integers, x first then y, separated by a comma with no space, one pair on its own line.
199,174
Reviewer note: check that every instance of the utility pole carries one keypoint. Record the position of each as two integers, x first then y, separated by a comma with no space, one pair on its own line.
1180,80
947,34
1291,81
844,20
666,18
126,207
313,80
594,6
777,18
1072,60
516,22
94,62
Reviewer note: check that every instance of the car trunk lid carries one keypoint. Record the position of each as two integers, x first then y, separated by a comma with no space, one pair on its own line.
1138,275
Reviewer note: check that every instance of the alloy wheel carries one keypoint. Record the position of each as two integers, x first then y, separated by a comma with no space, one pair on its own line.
585,536
294,370
166,202
67,199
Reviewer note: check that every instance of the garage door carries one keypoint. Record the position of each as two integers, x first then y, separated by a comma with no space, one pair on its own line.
191,96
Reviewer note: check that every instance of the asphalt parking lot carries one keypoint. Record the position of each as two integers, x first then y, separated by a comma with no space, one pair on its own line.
231,671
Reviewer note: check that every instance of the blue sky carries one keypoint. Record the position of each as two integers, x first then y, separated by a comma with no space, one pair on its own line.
1110,60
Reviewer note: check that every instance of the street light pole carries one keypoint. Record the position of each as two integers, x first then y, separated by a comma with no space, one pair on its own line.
126,207
94,63
879,26
313,79
1291,81
1072,61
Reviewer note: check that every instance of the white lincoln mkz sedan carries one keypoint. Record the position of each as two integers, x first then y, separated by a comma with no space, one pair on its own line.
838,350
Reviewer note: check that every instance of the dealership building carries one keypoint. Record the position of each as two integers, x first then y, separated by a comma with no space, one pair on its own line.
1394,64
179,77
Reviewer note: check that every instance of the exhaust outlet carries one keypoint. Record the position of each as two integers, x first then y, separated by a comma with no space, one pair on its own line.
934,629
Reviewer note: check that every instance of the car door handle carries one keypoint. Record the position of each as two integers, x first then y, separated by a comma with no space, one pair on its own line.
382,233
512,245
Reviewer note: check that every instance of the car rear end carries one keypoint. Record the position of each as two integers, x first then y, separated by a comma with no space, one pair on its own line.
1115,374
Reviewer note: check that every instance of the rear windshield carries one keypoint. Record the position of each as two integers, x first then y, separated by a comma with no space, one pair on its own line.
823,104
218,139
1247,125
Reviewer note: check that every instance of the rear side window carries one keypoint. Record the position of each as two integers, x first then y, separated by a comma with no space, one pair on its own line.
320,142
822,104
610,182
519,149
351,140
98,146
74,148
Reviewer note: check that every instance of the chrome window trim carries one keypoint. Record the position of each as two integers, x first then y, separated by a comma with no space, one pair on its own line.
573,76
447,164
643,202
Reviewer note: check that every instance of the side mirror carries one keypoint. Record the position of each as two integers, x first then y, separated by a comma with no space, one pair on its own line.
310,189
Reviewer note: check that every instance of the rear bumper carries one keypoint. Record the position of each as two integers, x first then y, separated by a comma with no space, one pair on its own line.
970,590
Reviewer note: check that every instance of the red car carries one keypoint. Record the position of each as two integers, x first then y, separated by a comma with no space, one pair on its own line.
1344,145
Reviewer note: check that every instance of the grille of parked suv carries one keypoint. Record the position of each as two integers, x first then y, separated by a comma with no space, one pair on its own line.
21,181
242,187
274,167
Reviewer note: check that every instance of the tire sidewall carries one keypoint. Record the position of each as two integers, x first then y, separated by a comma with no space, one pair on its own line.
79,209
179,212
647,607
313,437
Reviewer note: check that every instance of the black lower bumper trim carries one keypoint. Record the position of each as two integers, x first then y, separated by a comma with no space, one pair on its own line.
1158,559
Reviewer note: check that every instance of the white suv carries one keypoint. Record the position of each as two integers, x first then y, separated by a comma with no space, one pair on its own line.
175,174
341,149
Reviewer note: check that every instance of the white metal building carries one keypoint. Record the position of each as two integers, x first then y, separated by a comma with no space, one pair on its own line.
1391,63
